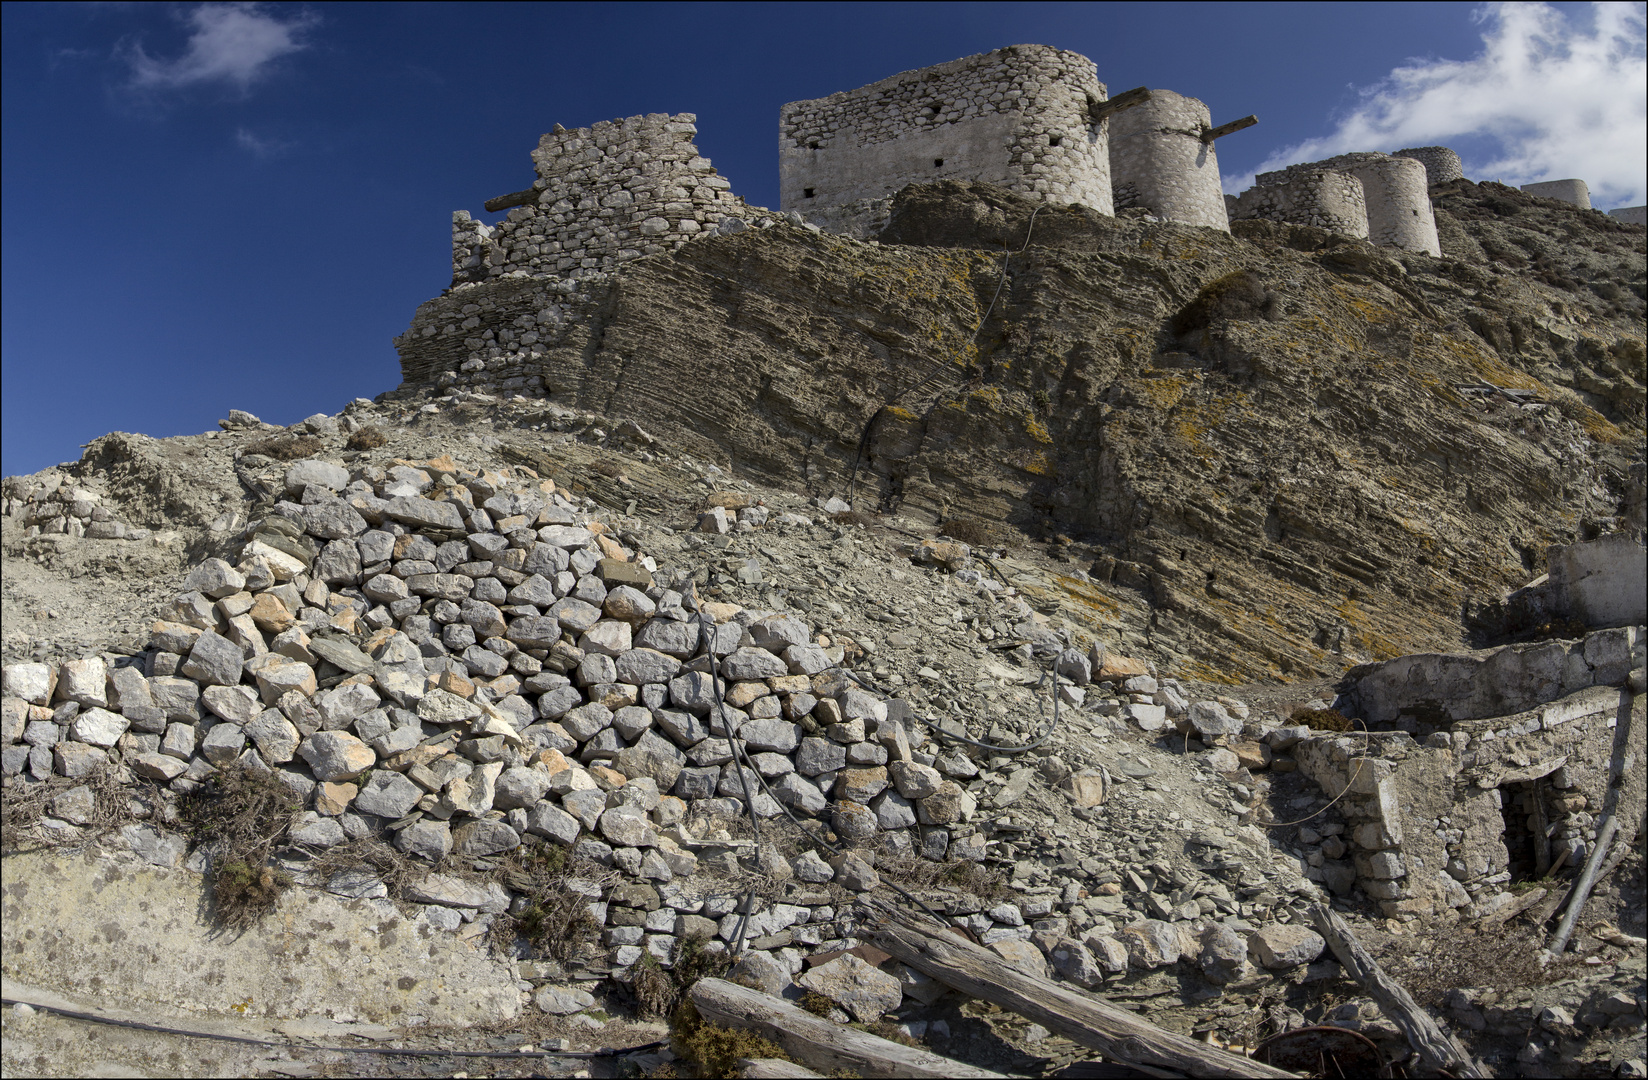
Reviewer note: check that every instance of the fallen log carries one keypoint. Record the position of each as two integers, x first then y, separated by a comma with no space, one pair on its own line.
1512,909
816,1041
1120,1035
1582,888
1434,1045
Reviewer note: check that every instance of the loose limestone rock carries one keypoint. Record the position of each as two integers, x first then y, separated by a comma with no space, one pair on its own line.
865,992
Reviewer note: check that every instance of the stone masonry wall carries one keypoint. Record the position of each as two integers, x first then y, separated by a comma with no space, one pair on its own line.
1018,117
1158,160
1395,194
608,193
1448,823
1326,200
1569,191
1441,164
1399,205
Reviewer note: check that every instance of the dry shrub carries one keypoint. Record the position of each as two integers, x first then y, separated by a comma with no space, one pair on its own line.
972,532
394,868
556,920
659,991
1323,719
24,804
286,447
243,815
655,991
919,875
367,438
853,517
716,1050
1457,955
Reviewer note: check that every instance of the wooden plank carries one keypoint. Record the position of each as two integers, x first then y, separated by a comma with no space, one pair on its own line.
1425,1034
1226,129
774,1069
1512,909
1115,1032
514,198
815,1041
1106,109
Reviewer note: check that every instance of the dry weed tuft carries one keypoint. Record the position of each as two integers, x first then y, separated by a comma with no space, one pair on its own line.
917,875
243,815
555,921
1323,719
716,1050
367,438
970,531
854,517
1453,956
23,805
394,868
661,991
286,447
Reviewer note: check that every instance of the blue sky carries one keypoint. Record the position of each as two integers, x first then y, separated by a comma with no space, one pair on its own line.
237,205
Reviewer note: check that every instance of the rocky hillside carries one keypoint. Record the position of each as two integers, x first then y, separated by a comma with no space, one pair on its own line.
1283,450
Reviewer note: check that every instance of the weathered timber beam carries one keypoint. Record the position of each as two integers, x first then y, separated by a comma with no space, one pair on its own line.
518,198
1512,909
1105,109
1094,1023
1425,1034
1226,129
815,1041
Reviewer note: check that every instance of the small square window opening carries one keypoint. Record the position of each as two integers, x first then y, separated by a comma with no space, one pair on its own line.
938,163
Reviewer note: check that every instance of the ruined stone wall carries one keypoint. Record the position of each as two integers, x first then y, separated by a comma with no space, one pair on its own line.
1441,164
1425,692
1487,802
1630,215
608,193
1018,117
1569,191
1159,160
1326,200
1395,194
1399,205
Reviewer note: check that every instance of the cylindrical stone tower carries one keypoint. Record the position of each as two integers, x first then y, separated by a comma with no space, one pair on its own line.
1569,191
1320,198
1399,204
1441,164
1159,160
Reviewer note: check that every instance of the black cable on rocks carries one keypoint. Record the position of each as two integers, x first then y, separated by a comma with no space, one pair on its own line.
706,635
382,1051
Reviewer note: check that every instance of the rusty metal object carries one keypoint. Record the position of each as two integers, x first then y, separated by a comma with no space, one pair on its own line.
1331,1052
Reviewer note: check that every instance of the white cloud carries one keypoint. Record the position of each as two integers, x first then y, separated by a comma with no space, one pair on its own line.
260,145
1547,98
230,43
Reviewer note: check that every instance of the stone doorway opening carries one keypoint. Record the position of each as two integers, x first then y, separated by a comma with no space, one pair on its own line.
1527,829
